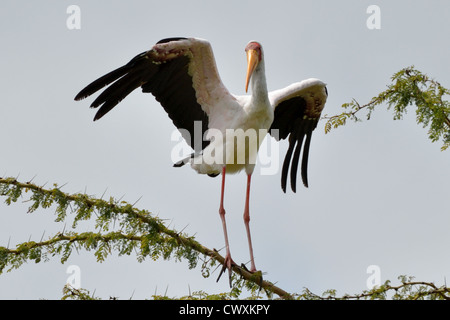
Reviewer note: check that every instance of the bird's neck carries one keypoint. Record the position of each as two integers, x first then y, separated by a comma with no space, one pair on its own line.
260,94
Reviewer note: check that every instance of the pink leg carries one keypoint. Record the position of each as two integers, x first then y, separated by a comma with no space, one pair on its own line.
247,223
228,263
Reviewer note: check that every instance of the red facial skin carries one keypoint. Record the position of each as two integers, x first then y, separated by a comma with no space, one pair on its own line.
254,46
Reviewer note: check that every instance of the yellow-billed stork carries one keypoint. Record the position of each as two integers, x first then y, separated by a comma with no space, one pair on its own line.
182,75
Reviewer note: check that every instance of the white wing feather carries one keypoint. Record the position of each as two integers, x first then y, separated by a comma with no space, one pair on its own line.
312,90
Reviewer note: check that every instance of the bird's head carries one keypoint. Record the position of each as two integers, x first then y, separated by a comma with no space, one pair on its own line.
254,57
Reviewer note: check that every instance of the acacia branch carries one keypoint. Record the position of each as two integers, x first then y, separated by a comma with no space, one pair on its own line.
140,226
409,87
149,237
407,290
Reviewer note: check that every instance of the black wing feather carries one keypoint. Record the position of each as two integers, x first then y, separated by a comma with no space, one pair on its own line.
305,159
107,79
287,160
174,91
291,121
295,160
168,81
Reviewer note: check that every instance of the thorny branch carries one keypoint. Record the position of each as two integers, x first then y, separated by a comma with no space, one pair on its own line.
146,233
407,290
133,220
409,87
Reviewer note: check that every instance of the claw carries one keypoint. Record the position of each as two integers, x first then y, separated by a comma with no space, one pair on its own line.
227,264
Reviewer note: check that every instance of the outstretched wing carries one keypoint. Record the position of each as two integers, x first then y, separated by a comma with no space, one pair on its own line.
297,111
182,75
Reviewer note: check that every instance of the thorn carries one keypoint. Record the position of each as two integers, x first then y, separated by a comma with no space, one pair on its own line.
219,249
101,198
42,236
137,201
29,182
60,187
179,232
165,293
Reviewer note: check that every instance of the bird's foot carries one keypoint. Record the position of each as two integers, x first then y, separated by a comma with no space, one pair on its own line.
227,264
256,274
251,270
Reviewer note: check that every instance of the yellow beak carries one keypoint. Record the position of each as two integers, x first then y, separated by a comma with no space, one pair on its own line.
252,62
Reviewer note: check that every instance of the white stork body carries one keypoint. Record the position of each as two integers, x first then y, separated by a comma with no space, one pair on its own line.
251,120
182,74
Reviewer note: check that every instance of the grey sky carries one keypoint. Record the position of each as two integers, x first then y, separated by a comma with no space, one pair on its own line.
378,191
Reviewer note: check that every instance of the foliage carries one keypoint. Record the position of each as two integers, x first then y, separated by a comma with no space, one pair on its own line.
120,227
141,232
409,87
408,289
